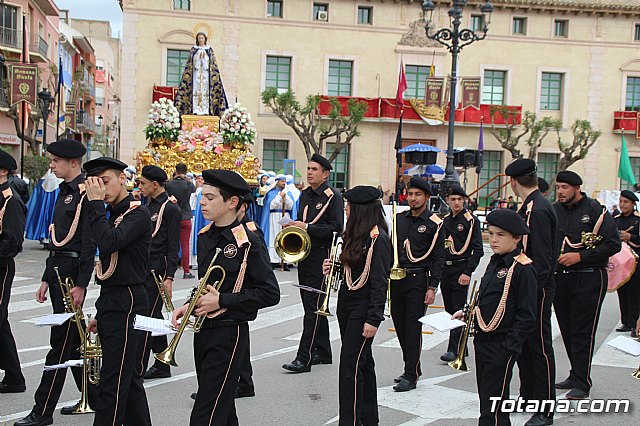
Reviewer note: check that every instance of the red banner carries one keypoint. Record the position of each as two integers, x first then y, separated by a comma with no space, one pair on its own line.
434,89
470,92
24,84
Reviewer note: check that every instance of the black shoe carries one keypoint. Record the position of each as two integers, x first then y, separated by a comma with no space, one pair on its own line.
194,395
576,393
539,420
317,359
633,333
297,367
188,276
399,378
404,386
624,329
34,419
566,384
70,409
244,393
154,373
6,388
448,356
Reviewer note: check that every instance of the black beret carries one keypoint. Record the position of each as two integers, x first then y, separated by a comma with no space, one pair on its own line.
99,165
249,198
457,190
629,195
7,161
322,161
421,184
508,220
226,180
67,148
521,167
362,194
154,173
567,176
543,185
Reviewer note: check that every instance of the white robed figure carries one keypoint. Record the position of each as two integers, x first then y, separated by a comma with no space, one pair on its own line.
278,204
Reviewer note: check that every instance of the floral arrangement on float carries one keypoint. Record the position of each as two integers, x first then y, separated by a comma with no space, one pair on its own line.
200,137
237,127
163,124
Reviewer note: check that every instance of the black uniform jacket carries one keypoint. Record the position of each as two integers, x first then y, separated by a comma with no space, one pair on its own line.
332,220
259,288
630,224
130,238
166,243
519,314
374,292
582,217
421,230
458,227
83,241
13,222
253,227
541,243
182,190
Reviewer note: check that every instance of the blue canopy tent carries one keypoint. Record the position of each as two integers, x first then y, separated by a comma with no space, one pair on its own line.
426,171
420,154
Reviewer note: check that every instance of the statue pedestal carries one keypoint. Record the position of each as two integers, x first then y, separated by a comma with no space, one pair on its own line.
211,121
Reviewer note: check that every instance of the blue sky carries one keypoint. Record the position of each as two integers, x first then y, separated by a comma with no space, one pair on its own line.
99,10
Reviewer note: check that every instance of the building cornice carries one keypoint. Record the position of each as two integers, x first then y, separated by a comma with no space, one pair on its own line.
615,7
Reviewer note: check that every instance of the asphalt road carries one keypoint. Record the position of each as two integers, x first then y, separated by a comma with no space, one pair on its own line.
443,396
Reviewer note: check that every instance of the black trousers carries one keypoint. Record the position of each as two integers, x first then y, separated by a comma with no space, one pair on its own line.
246,371
9,361
218,354
357,376
121,399
629,299
407,306
455,297
577,305
150,343
64,341
537,364
494,369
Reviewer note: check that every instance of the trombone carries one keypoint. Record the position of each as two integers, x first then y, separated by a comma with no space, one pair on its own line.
168,355
162,289
396,273
469,312
333,279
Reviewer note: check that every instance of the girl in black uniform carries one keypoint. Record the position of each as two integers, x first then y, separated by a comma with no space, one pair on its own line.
366,259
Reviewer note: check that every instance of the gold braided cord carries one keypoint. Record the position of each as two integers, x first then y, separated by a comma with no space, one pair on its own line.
113,261
4,208
362,279
238,284
72,230
304,214
499,313
407,247
159,220
596,228
452,247
525,238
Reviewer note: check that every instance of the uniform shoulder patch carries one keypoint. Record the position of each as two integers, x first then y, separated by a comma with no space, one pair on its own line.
252,226
328,192
374,232
468,216
134,204
523,259
7,193
205,229
240,235
436,219
635,213
82,187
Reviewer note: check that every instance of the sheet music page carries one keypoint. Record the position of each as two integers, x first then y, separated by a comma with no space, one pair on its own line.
53,319
157,326
441,321
625,344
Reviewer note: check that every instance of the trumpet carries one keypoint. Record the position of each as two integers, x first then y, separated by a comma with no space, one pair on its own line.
396,273
292,244
469,311
168,355
162,289
69,306
333,279
387,306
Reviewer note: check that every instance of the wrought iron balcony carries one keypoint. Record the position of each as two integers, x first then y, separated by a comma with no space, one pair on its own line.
38,45
10,37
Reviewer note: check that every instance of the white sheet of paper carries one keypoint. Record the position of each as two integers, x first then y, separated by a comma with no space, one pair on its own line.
441,321
157,326
625,344
285,220
70,363
53,319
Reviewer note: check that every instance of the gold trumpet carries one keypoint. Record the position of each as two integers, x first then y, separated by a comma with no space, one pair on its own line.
333,279
396,273
168,355
469,311
162,289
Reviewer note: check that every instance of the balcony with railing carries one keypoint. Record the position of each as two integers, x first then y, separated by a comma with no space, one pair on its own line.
38,46
89,84
84,123
10,37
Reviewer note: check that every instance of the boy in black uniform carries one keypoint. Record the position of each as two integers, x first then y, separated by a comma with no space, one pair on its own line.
587,237
536,364
163,259
73,251
121,271
12,220
321,211
504,314
365,258
628,223
462,254
421,252
220,345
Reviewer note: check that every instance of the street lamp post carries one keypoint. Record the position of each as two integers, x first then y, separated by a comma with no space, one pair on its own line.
46,99
454,39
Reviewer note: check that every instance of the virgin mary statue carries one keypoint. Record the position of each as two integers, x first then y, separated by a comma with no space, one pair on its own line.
201,91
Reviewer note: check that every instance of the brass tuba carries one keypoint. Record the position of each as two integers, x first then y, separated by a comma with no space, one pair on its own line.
168,355
162,289
469,311
292,244
333,279
396,273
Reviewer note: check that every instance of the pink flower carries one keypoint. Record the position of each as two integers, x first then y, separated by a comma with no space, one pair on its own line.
218,149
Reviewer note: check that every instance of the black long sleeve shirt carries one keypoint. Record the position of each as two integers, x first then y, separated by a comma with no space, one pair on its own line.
12,235
259,288
83,241
541,243
458,227
166,243
182,190
631,224
420,231
332,219
131,238
519,313
582,217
